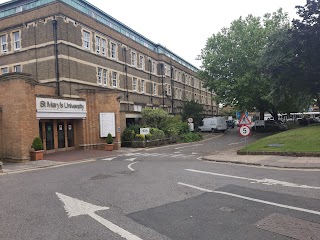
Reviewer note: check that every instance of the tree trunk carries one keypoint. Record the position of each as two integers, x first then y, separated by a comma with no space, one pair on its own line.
261,115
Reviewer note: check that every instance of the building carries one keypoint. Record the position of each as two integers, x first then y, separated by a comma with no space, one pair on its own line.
71,73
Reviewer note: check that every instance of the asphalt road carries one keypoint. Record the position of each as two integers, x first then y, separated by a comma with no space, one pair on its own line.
162,193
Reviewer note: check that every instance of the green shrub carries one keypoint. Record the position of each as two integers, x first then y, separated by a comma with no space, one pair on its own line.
155,118
37,144
174,127
139,137
149,136
157,134
191,137
135,128
109,139
127,137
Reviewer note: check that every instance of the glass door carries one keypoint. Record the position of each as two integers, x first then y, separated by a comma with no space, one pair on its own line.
49,135
61,140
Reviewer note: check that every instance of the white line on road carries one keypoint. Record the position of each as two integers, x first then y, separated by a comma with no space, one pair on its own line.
199,144
131,159
129,166
253,199
265,181
236,143
108,159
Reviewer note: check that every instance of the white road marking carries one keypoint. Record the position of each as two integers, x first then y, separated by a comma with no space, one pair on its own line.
190,146
108,159
236,143
178,152
131,159
265,181
129,166
194,153
129,154
253,199
75,207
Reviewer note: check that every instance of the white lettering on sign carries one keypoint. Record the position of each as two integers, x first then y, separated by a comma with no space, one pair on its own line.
144,131
62,105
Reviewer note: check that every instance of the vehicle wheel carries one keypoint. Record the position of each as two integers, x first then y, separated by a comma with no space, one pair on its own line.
212,130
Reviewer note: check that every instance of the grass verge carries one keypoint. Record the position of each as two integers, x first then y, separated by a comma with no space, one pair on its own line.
306,139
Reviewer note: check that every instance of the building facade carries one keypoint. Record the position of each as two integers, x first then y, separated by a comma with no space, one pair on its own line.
71,53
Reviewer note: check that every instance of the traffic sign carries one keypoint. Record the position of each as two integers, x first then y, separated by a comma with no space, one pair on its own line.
244,120
244,131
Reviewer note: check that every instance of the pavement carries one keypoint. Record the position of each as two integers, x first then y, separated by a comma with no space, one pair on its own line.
227,156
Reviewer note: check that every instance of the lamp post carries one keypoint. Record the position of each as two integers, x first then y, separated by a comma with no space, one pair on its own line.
162,85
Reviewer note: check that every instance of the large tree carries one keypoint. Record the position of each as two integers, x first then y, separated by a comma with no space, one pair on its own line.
232,61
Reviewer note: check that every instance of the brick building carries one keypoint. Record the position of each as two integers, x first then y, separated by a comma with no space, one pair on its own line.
70,73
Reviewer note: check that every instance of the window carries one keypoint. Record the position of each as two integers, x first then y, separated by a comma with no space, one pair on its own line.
86,40
180,94
142,86
99,75
103,46
169,90
179,76
134,84
98,45
105,77
141,62
114,79
175,74
154,89
167,69
3,40
16,41
153,67
4,70
17,68
113,48
133,59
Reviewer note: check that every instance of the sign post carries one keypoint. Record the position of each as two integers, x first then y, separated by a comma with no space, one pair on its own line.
244,130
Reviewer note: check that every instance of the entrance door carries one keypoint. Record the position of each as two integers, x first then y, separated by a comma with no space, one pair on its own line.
61,140
70,134
49,135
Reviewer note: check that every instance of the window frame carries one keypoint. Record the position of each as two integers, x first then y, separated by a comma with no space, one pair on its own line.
15,67
2,70
113,50
114,79
99,76
16,43
103,46
154,89
142,86
133,58
134,84
141,62
86,40
105,77
3,49
98,44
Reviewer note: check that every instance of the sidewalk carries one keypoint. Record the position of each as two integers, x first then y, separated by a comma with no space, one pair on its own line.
230,156
63,158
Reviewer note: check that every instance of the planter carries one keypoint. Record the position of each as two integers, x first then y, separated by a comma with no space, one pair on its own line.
109,147
36,155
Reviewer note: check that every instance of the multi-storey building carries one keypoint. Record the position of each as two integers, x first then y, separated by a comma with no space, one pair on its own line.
64,63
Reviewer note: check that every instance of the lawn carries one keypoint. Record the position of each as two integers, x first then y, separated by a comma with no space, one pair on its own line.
304,139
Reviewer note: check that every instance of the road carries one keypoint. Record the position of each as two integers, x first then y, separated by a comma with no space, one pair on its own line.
162,193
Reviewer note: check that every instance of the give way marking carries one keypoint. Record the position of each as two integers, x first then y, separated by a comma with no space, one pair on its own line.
265,181
75,207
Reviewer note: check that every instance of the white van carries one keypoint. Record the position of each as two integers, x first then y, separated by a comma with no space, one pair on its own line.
213,124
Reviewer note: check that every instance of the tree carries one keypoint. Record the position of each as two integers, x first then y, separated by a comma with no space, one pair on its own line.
231,61
306,36
155,118
194,110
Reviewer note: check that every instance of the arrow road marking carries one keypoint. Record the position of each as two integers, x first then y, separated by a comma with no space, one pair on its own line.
108,159
253,199
129,166
263,181
131,159
75,207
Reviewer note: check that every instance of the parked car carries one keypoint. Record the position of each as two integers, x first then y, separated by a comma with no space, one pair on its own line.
230,124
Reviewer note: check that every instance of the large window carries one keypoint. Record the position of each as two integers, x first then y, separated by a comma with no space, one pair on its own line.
133,59
16,41
105,77
4,70
141,62
114,79
154,89
103,46
142,86
3,42
86,40
99,76
153,67
113,50
98,42
134,84
17,68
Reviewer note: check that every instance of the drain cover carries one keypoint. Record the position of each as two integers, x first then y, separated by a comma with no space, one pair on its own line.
290,227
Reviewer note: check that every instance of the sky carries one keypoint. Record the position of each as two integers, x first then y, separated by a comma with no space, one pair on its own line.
183,26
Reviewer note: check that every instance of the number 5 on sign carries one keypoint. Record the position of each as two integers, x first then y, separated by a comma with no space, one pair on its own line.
244,131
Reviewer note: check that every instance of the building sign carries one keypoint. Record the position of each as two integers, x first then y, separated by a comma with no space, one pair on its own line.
52,108
144,131
107,124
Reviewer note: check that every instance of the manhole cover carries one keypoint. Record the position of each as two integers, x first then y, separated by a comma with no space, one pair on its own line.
100,177
290,227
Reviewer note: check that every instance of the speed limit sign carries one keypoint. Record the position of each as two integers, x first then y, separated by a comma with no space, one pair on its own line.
244,131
